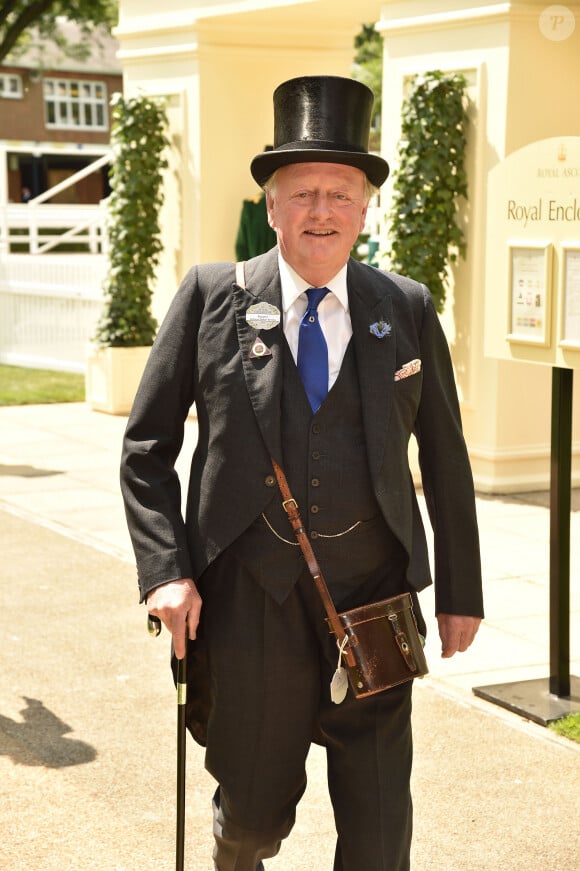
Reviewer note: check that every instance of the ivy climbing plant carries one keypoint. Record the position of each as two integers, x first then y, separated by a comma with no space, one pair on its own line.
429,182
138,140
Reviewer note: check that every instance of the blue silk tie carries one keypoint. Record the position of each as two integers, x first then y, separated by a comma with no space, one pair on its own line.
313,351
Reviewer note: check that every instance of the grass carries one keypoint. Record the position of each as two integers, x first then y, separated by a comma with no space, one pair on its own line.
22,386
568,726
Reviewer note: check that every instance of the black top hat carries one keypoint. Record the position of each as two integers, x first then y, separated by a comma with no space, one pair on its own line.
321,119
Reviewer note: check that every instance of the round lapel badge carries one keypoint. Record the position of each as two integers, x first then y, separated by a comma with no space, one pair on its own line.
263,316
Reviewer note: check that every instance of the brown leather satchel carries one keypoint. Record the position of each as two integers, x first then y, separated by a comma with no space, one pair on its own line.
379,643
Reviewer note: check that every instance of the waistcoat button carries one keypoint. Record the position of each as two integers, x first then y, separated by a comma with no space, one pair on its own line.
316,429
315,455
315,482
313,534
314,509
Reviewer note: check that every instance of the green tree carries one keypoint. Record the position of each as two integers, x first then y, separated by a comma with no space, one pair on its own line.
19,17
429,181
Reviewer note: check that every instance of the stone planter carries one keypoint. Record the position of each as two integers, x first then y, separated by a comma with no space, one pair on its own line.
112,378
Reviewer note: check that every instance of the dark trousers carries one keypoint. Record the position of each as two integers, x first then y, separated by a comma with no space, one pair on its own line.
270,667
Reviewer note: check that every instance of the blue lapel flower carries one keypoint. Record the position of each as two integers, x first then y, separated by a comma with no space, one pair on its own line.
380,329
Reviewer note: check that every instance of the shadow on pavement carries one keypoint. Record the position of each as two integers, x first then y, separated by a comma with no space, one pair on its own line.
39,739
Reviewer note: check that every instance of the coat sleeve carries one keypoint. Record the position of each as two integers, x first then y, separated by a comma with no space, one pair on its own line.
152,442
446,475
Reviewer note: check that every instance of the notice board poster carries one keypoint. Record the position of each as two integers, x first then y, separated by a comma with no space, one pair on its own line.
570,292
530,272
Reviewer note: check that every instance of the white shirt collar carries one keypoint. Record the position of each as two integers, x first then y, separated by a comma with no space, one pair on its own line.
293,285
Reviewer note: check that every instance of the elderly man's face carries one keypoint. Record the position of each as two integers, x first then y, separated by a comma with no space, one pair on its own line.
318,210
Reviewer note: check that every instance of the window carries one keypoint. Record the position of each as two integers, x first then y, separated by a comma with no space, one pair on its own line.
78,105
10,86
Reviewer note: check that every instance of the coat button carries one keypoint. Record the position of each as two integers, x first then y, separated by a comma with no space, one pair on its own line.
270,481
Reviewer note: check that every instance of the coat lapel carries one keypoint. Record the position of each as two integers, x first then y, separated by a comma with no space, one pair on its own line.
376,357
263,375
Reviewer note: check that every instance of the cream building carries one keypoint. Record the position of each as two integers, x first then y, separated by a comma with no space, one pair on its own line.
217,63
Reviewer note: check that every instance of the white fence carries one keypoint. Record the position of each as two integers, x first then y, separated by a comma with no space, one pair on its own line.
40,226
50,302
36,228
49,307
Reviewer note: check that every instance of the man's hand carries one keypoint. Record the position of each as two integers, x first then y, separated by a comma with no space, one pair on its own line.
178,606
456,632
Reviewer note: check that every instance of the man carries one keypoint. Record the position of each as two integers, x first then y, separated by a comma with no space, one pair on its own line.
232,573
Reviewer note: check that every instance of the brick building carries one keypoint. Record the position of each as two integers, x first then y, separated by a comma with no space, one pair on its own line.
55,117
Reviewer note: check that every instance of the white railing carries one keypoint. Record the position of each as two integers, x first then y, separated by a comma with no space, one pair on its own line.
39,226
49,307
37,229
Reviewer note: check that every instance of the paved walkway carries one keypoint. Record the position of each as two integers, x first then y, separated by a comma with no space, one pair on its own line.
87,706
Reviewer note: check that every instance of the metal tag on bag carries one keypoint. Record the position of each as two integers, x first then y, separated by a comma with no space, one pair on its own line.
339,682
339,685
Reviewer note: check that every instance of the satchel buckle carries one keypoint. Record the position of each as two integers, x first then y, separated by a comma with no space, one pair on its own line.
288,502
402,642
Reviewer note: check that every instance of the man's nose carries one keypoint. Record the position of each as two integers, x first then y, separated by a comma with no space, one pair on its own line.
321,206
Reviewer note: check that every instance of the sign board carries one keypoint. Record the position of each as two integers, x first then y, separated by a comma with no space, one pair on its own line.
532,280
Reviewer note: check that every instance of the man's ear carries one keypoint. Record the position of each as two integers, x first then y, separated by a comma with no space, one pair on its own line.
270,210
363,218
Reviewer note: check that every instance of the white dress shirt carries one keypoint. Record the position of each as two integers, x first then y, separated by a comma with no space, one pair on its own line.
333,314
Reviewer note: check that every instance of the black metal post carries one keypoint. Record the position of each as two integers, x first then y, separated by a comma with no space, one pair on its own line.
560,505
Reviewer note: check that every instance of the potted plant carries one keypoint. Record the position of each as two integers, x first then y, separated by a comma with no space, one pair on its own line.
127,328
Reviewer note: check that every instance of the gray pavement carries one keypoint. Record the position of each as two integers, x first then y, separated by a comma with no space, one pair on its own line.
87,707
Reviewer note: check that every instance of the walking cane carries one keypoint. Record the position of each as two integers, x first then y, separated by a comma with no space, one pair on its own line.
154,628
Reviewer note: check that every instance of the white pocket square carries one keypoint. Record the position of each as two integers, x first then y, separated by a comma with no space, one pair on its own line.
410,368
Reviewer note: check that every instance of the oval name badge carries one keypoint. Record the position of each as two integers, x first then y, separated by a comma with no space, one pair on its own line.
263,316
